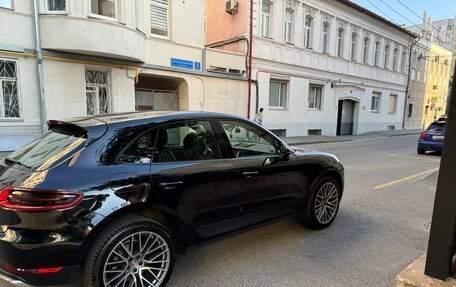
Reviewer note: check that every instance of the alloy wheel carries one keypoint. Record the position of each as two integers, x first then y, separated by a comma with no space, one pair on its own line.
141,259
326,203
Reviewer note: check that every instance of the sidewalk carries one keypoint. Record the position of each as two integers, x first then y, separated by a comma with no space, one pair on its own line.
303,140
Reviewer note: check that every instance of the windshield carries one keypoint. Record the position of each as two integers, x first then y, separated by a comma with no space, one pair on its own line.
45,150
437,127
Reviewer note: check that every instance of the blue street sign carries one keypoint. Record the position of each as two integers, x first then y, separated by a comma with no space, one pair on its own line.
181,63
197,66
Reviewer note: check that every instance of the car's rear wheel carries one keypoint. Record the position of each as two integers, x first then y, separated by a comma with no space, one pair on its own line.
134,251
420,150
323,204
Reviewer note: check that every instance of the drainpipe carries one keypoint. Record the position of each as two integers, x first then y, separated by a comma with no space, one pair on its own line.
39,64
250,58
408,81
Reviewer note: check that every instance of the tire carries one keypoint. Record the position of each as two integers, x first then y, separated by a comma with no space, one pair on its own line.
152,251
320,213
420,150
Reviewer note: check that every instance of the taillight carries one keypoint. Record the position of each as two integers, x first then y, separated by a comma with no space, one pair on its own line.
422,135
21,199
33,271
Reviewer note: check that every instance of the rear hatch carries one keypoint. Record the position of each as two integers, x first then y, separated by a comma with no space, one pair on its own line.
436,132
27,167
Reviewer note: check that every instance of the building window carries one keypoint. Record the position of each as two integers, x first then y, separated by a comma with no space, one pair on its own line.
395,54
410,110
365,50
159,17
340,42
308,25
266,9
392,104
56,5
375,103
98,91
288,31
404,62
354,41
326,28
6,4
376,53
105,8
9,95
315,93
386,60
278,94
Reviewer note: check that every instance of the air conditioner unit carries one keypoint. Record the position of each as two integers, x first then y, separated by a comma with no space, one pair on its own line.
231,6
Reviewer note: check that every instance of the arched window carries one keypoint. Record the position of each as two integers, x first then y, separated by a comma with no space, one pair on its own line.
376,53
386,62
288,28
354,42
395,54
366,50
340,42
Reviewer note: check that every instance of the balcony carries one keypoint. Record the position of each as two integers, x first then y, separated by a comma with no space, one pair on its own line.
91,36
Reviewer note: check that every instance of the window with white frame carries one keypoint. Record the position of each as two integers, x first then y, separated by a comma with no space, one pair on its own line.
395,55
98,91
354,41
308,26
404,62
9,94
315,97
266,11
326,27
376,53
392,104
365,50
375,103
6,4
106,8
288,29
56,5
278,91
159,10
340,42
386,57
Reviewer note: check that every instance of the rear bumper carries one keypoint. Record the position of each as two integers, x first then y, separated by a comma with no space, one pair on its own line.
431,145
67,276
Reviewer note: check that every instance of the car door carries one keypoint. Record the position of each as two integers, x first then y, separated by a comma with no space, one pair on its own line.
193,178
270,186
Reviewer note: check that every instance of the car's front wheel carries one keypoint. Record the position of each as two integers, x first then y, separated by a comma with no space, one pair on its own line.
322,204
134,251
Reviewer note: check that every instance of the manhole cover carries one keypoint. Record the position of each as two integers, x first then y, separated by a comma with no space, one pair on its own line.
426,226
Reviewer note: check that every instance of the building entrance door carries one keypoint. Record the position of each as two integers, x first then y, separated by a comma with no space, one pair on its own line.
345,117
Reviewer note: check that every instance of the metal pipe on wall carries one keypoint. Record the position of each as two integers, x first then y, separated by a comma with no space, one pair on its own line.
39,64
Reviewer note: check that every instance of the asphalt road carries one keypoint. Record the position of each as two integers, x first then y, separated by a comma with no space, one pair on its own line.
378,232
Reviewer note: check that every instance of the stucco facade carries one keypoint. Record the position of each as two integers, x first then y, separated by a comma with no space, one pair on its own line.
117,56
306,49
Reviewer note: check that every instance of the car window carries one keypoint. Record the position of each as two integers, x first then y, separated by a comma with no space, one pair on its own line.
187,141
50,147
437,127
247,140
140,150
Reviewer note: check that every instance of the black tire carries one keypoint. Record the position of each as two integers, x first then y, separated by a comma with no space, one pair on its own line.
420,150
309,216
115,233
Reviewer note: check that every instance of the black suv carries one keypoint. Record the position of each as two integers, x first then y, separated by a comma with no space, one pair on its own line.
110,200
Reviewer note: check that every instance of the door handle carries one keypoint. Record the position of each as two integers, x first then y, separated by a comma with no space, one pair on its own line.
170,185
250,173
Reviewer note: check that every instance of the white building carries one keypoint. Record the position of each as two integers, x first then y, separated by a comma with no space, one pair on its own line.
110,56
324,67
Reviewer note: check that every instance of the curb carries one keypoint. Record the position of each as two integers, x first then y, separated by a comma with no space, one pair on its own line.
408,134
318,142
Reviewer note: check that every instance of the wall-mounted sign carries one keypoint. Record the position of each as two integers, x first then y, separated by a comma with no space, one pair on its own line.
186,64
181,63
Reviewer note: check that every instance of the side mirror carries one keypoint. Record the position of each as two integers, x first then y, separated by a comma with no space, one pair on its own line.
284,152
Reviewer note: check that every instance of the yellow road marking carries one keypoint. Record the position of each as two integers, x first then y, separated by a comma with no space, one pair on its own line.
405,178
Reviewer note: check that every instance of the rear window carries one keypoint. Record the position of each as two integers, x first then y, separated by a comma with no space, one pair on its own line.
51,146
437,127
